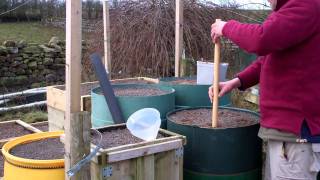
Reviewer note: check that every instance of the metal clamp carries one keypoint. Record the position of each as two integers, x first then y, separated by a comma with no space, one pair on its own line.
179,152
107,171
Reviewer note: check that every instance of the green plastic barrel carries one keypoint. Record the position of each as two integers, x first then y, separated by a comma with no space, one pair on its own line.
101,115
192,95
220,153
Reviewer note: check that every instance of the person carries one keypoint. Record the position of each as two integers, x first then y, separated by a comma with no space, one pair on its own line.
287,69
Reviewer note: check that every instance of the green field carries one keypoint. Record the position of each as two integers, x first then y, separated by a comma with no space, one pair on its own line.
30,32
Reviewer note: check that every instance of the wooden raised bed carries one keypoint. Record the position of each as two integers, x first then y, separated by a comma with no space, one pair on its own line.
161,159
19,123
56,100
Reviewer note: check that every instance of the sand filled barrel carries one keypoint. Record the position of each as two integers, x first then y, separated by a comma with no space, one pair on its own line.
191,94
132,97
230,152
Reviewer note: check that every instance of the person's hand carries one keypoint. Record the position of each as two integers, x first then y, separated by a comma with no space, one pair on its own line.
224,88
216,30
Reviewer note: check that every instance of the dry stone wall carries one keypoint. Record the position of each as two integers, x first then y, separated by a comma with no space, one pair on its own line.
32,65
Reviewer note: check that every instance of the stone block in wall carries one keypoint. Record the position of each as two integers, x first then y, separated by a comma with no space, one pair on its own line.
21,44
40,67
31,50
48,61
19,58
32,64
51,78
26,61
48,49
3,50
23,66
20,71
9,43
25,56
60,60
58,66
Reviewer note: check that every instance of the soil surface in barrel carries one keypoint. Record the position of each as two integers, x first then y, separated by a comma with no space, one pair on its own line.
1,165
117,137
44,149
132,81
42,126
139,91
203,118
12,129
184,81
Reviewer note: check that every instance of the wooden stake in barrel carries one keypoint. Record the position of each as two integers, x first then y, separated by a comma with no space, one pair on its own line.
216,67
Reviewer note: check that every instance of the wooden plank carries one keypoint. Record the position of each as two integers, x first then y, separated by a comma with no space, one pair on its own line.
124,170
56,119
107,34
74,141
178,36
145,168
143,151
56,98
168,166
28,126
77,143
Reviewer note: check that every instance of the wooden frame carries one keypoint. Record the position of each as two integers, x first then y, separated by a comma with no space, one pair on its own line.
146,160
21,123
56,95
178,36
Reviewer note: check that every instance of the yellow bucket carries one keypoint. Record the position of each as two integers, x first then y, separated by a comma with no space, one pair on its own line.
16,168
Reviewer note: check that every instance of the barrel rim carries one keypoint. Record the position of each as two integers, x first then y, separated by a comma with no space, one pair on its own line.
208,107
169,90
31,163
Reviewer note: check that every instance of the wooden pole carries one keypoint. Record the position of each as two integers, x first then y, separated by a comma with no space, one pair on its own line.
106,30
215,104
75,147
178,36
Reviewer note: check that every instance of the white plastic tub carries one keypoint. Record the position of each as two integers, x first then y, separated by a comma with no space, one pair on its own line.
205,72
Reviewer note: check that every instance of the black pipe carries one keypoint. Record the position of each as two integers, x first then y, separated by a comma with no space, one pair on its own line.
107,89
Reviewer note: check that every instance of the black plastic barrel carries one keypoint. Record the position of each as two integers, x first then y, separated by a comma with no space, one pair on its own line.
220,153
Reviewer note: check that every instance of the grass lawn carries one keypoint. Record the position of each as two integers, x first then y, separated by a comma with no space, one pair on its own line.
32,32
34,115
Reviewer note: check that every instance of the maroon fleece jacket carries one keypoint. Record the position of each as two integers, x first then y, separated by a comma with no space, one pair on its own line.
288,69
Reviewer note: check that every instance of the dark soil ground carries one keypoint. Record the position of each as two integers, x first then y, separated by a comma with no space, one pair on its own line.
118,137
139,91
203,117
1,165
45,149
9,130
43,126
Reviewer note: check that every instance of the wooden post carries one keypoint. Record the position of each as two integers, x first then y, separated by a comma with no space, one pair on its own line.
75,144
106,30
178,36
215,104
